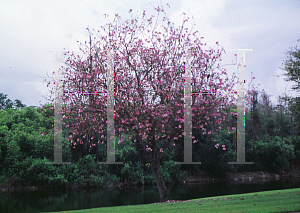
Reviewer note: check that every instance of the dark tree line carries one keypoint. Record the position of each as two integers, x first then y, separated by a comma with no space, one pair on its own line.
6,103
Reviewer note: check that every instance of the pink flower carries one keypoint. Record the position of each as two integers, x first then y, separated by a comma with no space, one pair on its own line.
175,138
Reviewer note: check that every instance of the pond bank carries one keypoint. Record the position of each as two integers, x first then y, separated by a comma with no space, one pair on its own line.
244,176
15,184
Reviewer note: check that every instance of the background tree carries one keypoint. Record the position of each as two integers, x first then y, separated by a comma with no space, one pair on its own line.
149,81
7,103
4,102
255,122
291,66
18,104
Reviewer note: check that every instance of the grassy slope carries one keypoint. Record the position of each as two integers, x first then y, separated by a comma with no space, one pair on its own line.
268,201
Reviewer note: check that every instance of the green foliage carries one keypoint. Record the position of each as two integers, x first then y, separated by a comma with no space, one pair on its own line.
36,171
5,104
271,154
295,141
3,144
126,152
13,154
170,171
27,136
291,66
132,170
97,180
18,104
214,159
149,179
84,173
32,171
87,172
88,165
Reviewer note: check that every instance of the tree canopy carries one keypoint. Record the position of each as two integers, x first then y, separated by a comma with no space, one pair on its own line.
291,67
6,103
149,78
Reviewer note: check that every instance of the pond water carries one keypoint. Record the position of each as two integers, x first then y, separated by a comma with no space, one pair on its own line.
42,201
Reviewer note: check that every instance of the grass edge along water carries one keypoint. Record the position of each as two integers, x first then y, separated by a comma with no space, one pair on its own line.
286,200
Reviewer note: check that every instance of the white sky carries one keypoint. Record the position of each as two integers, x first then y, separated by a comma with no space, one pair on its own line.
32,28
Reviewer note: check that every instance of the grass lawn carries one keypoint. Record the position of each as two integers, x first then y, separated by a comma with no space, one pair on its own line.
267,201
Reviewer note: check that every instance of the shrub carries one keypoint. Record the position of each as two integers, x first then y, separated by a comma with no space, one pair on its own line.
271,154
170,171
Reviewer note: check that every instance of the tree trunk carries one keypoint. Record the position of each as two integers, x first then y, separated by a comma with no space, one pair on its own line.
155,166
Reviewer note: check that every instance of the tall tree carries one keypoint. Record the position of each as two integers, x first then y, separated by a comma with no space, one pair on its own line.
5,103
149,84
18,104
255,122
291,66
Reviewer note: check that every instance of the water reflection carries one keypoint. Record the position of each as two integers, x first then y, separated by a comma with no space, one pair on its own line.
32,202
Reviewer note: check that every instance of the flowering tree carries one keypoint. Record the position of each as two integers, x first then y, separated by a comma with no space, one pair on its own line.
149,83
